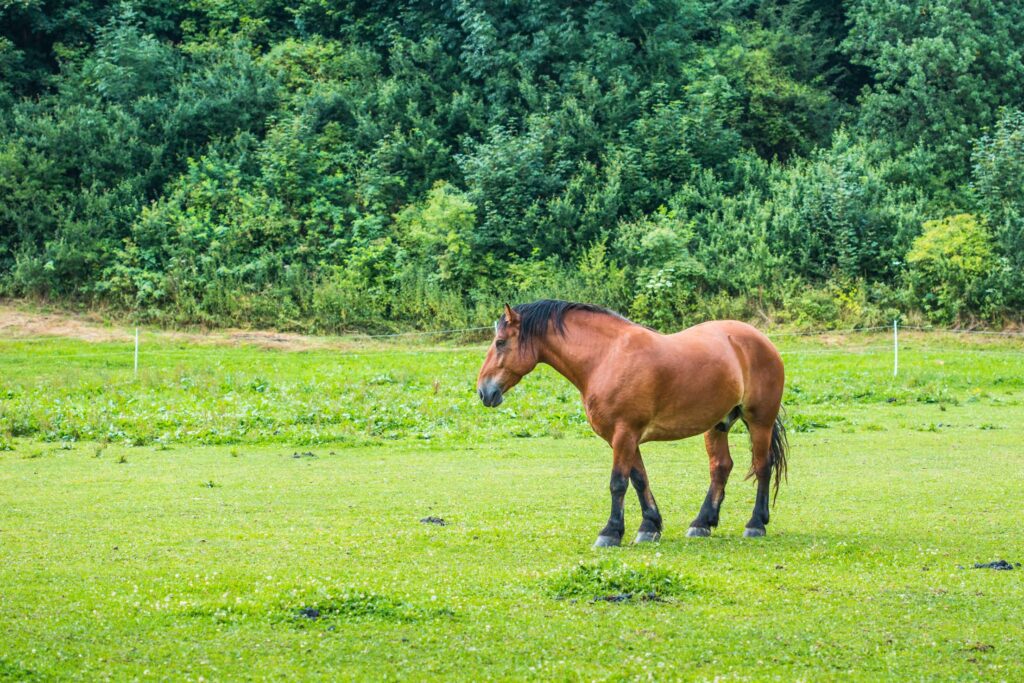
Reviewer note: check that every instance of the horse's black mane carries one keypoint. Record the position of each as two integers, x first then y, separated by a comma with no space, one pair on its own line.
535,317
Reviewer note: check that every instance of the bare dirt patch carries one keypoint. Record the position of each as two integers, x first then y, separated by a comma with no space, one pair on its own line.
267,339
20,323
17,324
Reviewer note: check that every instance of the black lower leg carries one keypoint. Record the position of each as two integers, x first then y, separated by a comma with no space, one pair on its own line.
707,518
616,525
651,517
760,516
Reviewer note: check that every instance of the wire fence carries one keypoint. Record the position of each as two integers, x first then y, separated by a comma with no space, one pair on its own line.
134,352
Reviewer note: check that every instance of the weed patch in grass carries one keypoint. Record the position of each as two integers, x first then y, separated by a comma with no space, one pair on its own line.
932,427
9,671
611,581
803,422
357,606
352,607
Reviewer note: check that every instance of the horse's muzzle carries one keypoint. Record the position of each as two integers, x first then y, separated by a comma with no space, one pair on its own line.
490,393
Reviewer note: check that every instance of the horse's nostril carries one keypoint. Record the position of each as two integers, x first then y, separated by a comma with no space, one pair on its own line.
489,393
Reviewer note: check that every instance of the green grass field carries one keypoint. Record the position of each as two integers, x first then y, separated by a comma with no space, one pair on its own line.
236,513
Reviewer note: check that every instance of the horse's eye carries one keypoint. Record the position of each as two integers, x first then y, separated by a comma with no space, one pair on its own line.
501,343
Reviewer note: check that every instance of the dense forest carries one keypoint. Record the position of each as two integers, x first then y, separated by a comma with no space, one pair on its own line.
376,166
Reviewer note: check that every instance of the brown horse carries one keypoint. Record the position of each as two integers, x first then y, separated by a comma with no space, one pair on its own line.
638,385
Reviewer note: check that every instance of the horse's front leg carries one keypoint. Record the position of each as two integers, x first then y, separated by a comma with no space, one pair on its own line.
624,457
650,527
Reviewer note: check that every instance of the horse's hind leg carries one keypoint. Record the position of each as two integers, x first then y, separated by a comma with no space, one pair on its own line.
717,443
760,467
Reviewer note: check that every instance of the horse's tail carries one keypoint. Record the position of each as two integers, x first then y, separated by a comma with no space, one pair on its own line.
778,451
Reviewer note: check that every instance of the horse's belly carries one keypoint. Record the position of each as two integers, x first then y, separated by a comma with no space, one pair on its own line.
673,431
682,421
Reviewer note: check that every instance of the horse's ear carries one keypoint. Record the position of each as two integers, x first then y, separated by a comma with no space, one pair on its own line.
511,317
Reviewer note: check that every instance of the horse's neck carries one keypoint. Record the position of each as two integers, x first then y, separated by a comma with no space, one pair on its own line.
587,339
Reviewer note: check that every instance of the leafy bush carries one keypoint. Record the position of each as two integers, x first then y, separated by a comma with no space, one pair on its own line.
439,232
949,264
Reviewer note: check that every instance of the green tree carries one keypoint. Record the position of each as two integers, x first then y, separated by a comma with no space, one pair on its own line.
940,71
999,193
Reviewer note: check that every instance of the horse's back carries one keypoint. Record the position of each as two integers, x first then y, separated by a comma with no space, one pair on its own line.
723,328
755,355
742,337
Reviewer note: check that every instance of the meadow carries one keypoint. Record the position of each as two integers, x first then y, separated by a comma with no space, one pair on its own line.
235,512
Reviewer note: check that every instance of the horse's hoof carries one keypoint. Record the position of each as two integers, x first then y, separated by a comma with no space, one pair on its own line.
753,532
647,537
698,532
607,542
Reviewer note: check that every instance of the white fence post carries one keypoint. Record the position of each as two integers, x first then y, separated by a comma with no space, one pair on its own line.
895,347
136,352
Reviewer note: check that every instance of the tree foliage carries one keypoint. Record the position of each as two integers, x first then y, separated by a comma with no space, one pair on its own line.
376,165
949,264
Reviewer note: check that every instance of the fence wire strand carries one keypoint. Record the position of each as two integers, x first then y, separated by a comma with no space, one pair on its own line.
126,353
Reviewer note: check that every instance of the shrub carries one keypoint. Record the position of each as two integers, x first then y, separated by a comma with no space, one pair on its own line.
948,265
438,231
